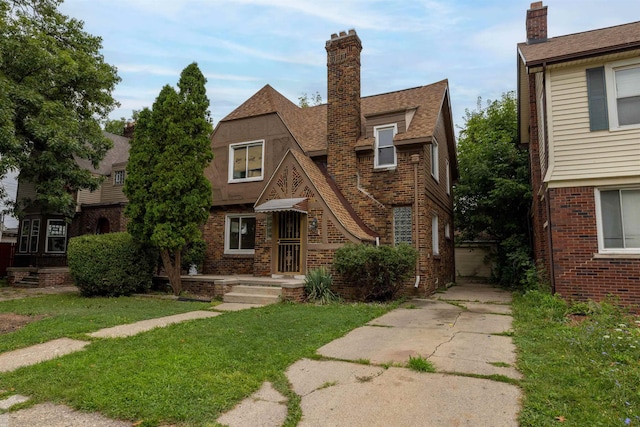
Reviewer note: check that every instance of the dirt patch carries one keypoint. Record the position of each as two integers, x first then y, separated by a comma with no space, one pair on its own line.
10,322
576,319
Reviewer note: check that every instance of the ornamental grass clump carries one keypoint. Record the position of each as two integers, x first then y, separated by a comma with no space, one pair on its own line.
317,286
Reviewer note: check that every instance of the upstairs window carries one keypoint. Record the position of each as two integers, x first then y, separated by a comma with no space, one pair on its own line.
246,161
619,224
447,171
435,160
118,178
614,96
385,152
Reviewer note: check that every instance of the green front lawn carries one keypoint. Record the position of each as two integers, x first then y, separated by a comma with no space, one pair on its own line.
579,370
190,373
68,315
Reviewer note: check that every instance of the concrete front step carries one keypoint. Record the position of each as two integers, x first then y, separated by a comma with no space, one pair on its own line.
252,294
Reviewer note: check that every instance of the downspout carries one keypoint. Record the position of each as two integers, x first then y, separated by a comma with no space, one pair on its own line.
415,159
552,277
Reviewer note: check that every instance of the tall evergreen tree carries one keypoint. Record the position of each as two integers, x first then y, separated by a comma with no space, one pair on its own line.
169,196
55,88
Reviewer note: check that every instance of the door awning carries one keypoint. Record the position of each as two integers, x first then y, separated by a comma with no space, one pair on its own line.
284,205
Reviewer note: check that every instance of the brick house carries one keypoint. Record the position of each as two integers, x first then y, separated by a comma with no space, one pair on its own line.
41,251
579,113
291,185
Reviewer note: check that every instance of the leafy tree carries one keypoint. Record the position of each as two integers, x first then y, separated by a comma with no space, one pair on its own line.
493,195
312,100
55,88
116,126
169,196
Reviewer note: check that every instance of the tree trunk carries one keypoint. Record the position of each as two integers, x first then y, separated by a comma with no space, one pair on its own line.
172,267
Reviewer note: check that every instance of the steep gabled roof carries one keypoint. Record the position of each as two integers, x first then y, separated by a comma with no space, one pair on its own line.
309,125
119,153
582,45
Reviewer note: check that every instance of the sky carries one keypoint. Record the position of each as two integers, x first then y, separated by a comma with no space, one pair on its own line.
242,45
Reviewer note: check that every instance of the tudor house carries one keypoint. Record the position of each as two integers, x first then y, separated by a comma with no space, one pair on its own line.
41,252
291,185
579,114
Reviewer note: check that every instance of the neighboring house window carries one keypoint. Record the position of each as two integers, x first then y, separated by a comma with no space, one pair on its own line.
614,95
402,225
385,152
118,178
435,241
447,171
246,161
56,236
618,224
435,160
29,236
240,234
24,235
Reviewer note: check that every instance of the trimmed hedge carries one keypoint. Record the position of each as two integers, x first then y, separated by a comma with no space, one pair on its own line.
110,264
376,271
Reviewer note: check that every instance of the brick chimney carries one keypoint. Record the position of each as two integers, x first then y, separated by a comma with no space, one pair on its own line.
537,23
343,107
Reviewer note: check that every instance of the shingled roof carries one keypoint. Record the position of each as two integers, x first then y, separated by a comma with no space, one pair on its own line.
582,45
309,125
119,153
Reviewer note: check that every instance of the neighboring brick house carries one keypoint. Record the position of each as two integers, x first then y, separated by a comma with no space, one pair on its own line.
291,185
579,113
42,240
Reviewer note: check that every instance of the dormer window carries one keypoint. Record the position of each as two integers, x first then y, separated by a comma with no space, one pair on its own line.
385,152
246,161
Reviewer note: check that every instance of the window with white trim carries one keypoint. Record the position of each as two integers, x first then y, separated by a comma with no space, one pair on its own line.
402,228
385,151
240,234
623,93
56,236
435,162
118,177
435,240
447,171
246,161
29,235
618,220
447,231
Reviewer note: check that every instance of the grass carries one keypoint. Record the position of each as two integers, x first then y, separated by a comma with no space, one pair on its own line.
580,373
69,315
190,373
420,364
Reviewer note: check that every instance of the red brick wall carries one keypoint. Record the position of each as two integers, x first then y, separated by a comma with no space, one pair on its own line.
579,274
216,261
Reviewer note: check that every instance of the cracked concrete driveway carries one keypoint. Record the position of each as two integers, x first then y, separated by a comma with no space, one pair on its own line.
464,332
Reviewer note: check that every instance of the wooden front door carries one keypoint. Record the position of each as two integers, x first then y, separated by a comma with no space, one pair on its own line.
289,250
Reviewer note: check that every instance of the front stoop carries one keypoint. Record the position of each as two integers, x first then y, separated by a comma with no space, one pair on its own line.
253,294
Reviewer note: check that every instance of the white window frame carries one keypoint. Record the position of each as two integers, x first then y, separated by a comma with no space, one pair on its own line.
66,230
227,235
435,160
25,233
232,148
435,237
600,224
610,81
118,177
376,156
448,176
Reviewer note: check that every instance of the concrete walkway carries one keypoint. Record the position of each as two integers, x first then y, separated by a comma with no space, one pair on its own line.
462,332
363,380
